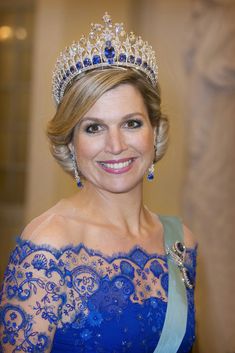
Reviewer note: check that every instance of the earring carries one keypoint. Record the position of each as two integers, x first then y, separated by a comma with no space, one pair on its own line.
150,175
151,170
75,169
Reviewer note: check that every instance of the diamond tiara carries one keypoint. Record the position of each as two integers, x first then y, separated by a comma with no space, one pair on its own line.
107,45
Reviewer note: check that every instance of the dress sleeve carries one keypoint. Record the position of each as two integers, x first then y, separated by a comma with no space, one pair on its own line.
31,299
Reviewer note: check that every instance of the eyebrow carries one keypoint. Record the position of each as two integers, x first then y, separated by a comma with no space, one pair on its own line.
98,120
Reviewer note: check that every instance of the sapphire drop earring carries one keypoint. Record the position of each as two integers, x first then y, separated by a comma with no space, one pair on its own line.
150,175
75,170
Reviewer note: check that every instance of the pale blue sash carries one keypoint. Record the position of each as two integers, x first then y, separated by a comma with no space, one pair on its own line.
177,307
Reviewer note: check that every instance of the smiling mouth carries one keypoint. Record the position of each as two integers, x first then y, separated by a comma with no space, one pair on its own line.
117,166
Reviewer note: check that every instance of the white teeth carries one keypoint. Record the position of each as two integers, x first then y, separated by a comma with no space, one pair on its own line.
117,165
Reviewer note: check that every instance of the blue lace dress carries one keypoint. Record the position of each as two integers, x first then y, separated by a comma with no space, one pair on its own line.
79,300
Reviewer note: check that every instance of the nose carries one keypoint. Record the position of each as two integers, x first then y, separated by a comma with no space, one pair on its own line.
115,141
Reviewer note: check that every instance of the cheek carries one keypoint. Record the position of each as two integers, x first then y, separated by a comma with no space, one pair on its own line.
86,147
146,141
148,146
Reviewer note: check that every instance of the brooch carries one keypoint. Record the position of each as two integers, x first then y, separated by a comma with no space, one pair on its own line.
177,253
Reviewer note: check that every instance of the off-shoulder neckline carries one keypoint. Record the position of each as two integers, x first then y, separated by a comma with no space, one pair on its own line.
57,252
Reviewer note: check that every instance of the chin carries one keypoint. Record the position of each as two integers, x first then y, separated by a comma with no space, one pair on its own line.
121,188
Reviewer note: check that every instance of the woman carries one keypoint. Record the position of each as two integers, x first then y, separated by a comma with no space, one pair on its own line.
99,272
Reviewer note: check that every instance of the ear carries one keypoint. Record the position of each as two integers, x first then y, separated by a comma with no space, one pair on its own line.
71,147
155,134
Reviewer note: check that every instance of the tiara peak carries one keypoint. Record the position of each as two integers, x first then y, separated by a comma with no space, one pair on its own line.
107,45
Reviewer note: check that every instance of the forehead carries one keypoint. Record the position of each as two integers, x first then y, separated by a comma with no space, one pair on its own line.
119,101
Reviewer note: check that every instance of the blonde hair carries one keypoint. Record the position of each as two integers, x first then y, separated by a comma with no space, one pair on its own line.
82,95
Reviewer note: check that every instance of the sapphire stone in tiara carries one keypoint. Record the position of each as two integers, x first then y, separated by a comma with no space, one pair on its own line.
79,65
87,62
122,57
96,59
109,52
107,45
131,59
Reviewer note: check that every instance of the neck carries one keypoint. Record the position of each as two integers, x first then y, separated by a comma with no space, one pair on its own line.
122,210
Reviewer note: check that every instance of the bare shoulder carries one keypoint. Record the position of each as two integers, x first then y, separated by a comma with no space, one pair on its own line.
50,228
189,238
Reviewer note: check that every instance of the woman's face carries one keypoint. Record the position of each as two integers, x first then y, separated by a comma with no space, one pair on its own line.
114,141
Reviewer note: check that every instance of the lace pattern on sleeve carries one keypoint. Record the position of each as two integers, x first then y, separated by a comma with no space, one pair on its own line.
31,300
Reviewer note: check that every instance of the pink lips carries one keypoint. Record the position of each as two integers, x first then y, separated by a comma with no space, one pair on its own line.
117,166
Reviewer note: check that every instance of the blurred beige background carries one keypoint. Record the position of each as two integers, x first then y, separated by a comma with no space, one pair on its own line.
32,33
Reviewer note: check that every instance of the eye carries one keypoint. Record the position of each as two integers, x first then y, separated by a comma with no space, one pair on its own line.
93,128
133,124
